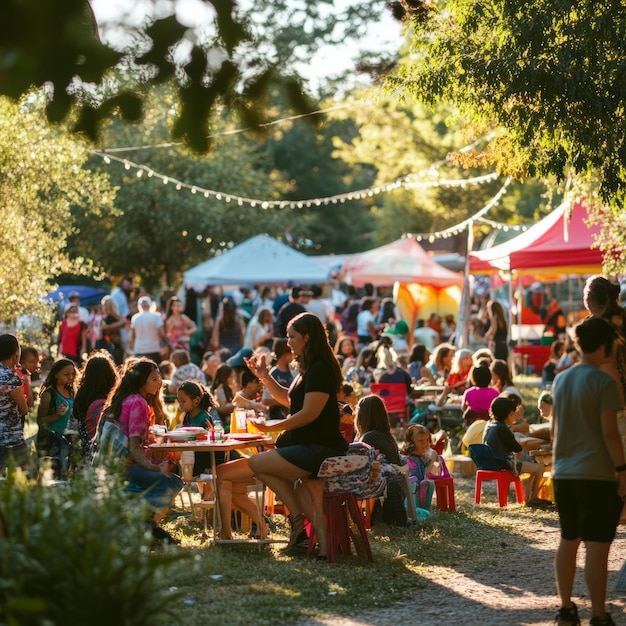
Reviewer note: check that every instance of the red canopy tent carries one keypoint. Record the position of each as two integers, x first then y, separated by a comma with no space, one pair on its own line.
556,244
402,261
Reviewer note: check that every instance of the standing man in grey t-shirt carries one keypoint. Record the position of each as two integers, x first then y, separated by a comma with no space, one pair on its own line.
589,469
147,336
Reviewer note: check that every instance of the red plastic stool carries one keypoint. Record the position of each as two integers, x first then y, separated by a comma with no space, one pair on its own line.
504,478
342,511
367,507
444,490
444,487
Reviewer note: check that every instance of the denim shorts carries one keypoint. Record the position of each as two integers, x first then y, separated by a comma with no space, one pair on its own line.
158,489
588,509
309,457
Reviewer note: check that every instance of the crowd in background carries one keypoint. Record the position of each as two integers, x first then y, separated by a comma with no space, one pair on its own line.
310,361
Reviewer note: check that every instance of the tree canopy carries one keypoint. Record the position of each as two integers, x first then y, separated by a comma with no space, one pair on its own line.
42,178
550,73
395,139
158,230
233,62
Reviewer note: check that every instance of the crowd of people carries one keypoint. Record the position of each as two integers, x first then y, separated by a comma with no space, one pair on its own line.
306,360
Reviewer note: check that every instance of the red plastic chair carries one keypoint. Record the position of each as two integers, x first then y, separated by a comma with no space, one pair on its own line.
444,487
393,396
485,461
504,478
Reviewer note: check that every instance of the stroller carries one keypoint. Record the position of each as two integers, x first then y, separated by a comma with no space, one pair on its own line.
55,449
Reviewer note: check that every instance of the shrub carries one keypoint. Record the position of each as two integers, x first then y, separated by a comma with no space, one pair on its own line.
78,553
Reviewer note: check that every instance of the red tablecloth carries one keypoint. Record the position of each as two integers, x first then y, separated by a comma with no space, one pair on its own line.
537,357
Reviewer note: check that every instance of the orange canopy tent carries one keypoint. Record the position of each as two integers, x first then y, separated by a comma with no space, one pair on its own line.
415,301
558,244
421,285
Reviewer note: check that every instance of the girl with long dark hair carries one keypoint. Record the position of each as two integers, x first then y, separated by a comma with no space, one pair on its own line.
131,404
98,378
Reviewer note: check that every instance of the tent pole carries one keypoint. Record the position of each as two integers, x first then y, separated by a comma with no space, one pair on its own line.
462,334
519,305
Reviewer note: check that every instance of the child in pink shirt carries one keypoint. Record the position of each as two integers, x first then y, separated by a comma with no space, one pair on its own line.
478,398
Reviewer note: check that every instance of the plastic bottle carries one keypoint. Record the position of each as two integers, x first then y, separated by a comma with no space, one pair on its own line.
219,432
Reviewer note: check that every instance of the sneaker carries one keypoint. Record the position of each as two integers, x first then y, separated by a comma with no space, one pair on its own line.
567,616
607,621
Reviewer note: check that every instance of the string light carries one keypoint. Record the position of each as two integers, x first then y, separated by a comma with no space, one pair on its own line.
457,229
236,131
410,181
504,227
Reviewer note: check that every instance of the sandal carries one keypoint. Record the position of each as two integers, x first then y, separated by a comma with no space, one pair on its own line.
567,615
297,535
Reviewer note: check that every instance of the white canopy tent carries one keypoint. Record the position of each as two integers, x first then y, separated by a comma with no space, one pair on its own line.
259,259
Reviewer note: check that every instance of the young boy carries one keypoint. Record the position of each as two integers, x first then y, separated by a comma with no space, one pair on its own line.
12,404
246,396
28,367
589,470
499,437
281,373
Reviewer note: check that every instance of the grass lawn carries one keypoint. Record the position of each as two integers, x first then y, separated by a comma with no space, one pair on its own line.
245,584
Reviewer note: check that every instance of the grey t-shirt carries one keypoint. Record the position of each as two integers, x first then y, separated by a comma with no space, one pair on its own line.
581,393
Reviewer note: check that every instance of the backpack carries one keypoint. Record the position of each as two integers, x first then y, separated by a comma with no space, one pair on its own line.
110,443
358,472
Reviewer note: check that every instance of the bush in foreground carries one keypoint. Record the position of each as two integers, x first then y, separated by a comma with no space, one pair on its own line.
77,553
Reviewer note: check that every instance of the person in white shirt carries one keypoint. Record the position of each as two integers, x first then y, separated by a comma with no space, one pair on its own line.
426,335
120,296
320,307
74,300
366,329
147,336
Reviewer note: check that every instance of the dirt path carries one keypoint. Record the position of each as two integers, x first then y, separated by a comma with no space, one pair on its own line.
517,589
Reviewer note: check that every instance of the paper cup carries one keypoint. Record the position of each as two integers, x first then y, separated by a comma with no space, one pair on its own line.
187,472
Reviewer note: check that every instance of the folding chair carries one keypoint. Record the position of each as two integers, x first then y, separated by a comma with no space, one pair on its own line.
393,396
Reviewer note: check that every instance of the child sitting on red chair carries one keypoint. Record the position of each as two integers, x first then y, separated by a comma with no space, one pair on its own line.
422,460
499,437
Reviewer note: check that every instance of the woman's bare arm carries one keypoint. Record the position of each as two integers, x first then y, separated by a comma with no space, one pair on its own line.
313,405
135,452
256,364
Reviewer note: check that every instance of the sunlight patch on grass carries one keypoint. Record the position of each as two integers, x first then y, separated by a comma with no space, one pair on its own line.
265,588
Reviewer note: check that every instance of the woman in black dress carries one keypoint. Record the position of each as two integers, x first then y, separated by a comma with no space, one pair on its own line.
311,431
497,331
